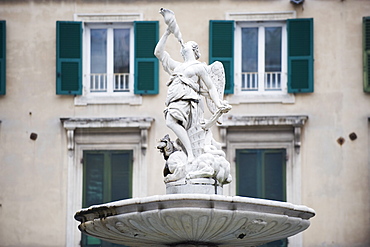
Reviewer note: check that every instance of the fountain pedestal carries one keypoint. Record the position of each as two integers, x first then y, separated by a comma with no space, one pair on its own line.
207,186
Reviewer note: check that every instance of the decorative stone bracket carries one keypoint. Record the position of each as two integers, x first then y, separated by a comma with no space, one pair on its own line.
141,123
296,122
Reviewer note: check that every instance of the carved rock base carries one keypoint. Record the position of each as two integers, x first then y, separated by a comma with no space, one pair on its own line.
207,186
194,220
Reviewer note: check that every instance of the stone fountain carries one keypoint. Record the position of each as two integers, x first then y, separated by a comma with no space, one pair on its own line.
193,212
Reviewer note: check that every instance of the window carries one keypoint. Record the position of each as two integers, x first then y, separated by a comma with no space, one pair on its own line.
261,61
106,62
265,160
263,57
107,176
261,173
267,56
109,58
97,146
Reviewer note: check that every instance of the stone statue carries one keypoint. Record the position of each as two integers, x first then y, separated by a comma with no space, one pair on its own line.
192,84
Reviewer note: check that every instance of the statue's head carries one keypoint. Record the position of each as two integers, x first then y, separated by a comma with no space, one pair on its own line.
193,46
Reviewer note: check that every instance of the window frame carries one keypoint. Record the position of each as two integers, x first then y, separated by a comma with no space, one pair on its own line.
261,56
261,95
86,83
124,19
108,97
128,133
248,17
266,132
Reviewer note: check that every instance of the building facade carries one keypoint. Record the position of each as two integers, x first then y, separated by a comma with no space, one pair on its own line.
82,100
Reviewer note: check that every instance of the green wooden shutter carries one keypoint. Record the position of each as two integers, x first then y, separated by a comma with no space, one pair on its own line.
121,175
274,174
93,174
261,173
107,176
248,170
221,48
300,56
69,58
2,57
366,52
146,64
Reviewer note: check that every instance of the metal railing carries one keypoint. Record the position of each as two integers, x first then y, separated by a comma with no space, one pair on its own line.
249,81
272,81
119,82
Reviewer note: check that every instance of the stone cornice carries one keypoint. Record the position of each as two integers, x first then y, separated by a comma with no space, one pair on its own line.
243,120
296,122
118,122
108,17
141,123
261,16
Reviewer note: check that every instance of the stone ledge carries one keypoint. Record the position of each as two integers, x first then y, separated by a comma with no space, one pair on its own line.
242,120
117,122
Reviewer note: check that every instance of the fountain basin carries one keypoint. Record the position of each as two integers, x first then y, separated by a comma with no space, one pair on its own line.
194,219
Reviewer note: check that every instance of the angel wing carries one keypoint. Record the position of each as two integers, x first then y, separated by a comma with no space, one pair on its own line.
217,73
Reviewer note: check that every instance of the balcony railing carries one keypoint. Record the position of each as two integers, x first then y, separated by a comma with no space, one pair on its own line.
118,82
272,81
250,81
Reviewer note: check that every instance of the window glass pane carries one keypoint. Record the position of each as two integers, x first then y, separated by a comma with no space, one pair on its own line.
98,50
273,49
249,49
121,50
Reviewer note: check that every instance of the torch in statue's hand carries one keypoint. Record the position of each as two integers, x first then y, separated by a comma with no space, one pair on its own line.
170,20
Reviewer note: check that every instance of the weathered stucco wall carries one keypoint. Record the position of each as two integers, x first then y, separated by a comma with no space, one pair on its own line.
33,177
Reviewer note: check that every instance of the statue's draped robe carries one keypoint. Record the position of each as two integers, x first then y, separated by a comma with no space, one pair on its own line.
182,95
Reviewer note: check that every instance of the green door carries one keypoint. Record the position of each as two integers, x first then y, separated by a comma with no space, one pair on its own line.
107,176
261,173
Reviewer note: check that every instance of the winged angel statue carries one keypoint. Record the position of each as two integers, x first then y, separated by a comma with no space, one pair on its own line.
195,153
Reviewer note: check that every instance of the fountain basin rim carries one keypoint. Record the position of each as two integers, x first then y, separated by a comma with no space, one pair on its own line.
170,201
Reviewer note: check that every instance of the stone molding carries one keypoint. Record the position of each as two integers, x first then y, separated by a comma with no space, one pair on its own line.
105,17
261,16
242,120
141,123
296,122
